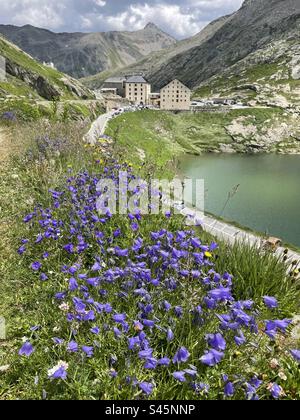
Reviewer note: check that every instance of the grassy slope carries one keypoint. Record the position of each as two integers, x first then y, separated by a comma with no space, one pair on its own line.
63,111
21,98
163,135
16,87
228,85
19,57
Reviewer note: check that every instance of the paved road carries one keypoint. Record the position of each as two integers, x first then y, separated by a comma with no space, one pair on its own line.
98,128
231,234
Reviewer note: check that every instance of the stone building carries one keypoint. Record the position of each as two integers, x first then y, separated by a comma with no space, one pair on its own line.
155,99
115,83
175,97
137,90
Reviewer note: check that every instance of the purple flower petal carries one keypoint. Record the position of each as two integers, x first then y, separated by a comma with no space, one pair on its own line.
179,376
182,355
296,355
26,350
212,357
146,387
270,302
216,341
229,389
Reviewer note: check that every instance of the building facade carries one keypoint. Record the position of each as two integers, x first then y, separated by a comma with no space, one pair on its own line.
155,99
175,97
117,83
137,90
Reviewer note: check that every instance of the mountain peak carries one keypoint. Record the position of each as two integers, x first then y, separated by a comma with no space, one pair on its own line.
248,3
151,25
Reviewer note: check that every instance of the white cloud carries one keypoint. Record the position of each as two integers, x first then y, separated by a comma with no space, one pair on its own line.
36,12
181,18
100,3
86,23
170,17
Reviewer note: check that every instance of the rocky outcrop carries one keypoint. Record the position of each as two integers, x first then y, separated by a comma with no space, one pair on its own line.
276,101
266,77
274,136
37,82
254,87
74,87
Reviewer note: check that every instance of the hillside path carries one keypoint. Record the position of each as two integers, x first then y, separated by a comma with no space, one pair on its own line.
98,128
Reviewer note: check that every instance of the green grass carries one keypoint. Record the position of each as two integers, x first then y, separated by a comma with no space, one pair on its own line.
16,87
163,136
26,110
252,268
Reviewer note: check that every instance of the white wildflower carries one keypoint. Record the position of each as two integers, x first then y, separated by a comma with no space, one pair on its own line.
274,363
282,375
64,307
4,368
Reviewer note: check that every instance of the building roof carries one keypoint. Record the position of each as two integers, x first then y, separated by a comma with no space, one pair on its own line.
136,79
115,80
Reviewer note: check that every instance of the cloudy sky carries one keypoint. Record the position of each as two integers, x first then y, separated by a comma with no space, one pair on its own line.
180,18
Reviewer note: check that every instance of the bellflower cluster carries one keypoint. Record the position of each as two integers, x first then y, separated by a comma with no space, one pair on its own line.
149,300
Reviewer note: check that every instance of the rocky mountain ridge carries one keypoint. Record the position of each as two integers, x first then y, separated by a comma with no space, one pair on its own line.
269,76
83,54
257,24
152,62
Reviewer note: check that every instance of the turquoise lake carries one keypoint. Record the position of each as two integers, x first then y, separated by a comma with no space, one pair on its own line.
267,199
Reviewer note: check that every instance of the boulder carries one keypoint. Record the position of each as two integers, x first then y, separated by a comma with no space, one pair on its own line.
45,89
38,83
72,86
